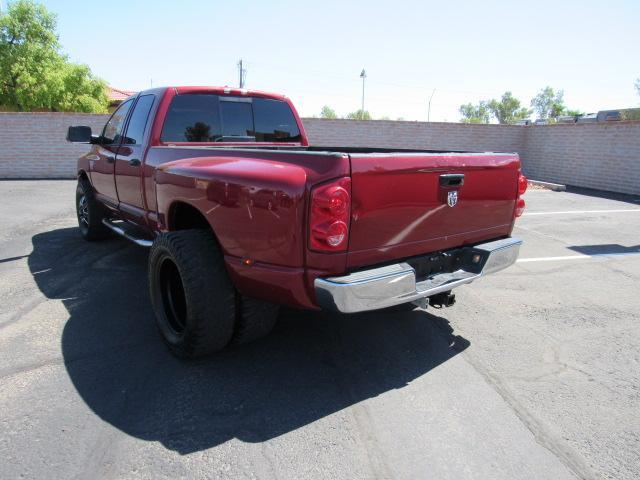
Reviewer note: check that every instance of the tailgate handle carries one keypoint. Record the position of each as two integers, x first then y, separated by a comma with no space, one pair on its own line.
452,180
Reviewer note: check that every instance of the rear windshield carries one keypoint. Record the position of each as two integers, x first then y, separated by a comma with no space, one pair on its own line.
215,118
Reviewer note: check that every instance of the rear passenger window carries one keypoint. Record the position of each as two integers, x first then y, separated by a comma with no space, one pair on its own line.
138,121
192,118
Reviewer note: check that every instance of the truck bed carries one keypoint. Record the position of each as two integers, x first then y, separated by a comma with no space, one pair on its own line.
399,207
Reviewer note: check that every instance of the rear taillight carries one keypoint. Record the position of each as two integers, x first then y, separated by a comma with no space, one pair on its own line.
522,185
329,216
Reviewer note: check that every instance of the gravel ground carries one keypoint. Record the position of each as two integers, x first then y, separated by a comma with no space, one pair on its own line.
532,374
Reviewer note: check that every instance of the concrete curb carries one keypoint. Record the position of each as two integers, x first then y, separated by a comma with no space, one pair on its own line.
556,187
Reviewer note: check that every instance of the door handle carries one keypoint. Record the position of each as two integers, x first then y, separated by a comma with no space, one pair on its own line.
111,159
452,180
134,162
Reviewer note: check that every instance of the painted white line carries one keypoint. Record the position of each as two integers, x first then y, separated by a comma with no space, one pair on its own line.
526,214
552,259
575,257
212,208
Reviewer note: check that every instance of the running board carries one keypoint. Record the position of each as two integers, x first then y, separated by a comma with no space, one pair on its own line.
121,230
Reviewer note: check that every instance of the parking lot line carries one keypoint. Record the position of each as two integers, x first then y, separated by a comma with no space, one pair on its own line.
636,210
575,257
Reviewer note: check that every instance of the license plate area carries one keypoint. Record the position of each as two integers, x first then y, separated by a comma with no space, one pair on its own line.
449,261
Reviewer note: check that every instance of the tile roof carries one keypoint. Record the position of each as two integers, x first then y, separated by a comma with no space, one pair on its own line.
118,95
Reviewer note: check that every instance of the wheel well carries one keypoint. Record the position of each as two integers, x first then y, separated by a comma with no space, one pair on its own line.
183,216
82,175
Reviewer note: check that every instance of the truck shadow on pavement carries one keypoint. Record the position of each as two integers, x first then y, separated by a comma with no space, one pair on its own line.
312,365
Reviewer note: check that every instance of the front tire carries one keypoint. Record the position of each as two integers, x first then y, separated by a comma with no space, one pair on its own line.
192,295
90,213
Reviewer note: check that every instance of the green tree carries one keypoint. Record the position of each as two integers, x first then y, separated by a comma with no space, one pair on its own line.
548,104
328,112
573,112
81,91
479,113
630,114
508,109
359,115
34,74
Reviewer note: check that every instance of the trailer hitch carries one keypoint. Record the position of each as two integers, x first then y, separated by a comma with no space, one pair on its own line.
444,299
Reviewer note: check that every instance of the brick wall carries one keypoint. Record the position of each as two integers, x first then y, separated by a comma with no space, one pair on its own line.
33,145
592,155
601,156
434,136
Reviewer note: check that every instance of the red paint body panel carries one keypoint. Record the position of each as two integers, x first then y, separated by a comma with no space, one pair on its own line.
256,200
400,210
286,286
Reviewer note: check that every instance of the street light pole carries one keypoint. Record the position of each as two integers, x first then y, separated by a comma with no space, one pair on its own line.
429,110
363,75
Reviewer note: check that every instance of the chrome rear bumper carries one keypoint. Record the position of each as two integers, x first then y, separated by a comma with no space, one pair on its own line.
396,284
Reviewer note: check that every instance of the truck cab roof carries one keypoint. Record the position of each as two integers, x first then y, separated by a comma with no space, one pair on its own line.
213,90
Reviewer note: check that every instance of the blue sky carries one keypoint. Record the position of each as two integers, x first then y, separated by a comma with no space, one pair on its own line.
314,51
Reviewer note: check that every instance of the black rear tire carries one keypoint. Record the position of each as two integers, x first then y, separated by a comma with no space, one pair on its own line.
256,319
192,295
90,213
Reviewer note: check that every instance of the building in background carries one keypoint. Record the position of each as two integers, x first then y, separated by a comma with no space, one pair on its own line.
117,96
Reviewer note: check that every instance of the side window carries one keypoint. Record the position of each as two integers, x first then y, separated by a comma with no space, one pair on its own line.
138,121
237,118
112,132
274,121
192,118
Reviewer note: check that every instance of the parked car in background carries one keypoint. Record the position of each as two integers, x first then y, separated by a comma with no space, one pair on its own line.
568,118
609,116
588,118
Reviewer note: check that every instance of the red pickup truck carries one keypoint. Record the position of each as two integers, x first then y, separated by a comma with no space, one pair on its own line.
243,215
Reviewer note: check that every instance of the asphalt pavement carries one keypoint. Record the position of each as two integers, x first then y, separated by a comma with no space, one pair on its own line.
533,374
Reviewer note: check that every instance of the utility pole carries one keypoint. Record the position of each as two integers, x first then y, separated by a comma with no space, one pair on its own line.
429,110
1,6
242,74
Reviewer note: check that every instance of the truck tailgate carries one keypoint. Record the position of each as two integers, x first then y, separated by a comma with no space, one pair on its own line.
401,206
